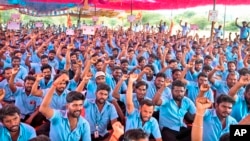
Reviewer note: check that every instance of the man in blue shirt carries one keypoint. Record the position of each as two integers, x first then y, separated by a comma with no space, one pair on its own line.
242,98
11,128
172,112
216,122
26,102
47,81
141,118
100,113
66,124
244,30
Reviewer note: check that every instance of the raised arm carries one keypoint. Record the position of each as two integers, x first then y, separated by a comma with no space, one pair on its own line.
45,106
35,91
236,22
202,104
157,98
67,56
244,80
129,96
115,93
211,73
12,79
2,94
203,89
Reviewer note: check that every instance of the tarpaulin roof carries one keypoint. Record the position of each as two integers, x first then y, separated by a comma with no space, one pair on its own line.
49,5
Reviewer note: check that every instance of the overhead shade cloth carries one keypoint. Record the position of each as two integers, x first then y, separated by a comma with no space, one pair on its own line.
48,5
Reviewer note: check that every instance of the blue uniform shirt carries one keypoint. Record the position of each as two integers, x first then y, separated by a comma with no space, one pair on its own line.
99,120
60,128
171,115
26,133
134,121
212,126
26,103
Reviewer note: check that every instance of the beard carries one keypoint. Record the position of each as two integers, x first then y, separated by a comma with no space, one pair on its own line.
101,101
75,114
144,119
13,128
177,98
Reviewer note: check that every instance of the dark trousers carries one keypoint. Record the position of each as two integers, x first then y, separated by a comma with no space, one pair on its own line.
37,120
171,135
44,129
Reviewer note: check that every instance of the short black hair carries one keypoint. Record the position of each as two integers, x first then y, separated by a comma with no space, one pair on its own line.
151,67
160,74
207,68
135,135
44,57
225,98
147,102
175,70
141,83
103,86
243,71
29,77
15,58
74,95
178,83
8,110
124,61
7,68
202,74
46,66
40,138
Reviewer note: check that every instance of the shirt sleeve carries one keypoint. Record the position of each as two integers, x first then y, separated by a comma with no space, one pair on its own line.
192,108
156,130
55,119
113,113
86,132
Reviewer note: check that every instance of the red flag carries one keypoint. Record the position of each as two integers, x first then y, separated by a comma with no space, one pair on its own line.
69,23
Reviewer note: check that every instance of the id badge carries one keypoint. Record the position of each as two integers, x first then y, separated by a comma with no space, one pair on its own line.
96,134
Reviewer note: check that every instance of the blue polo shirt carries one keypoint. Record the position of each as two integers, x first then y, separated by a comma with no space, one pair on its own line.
43,85
91,91
212,126
99,120
9,96
193,91
26,133
112,83
171,115
240,109
26,103
151,91
60,128
133,121
221,87
58,102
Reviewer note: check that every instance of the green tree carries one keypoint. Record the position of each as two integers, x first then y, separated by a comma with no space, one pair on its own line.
231,26
202,22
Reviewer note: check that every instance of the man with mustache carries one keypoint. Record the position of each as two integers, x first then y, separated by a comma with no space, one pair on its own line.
12,129
173,110
100,113
26,102
66,124
142,117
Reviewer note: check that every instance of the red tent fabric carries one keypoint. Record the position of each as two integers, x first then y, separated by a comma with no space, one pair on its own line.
121,4
149,4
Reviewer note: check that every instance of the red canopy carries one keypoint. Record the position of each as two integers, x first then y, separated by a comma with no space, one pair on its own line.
49,5
149,4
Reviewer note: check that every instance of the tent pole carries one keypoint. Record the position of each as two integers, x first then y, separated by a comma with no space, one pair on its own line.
212,27
225,10
131,12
